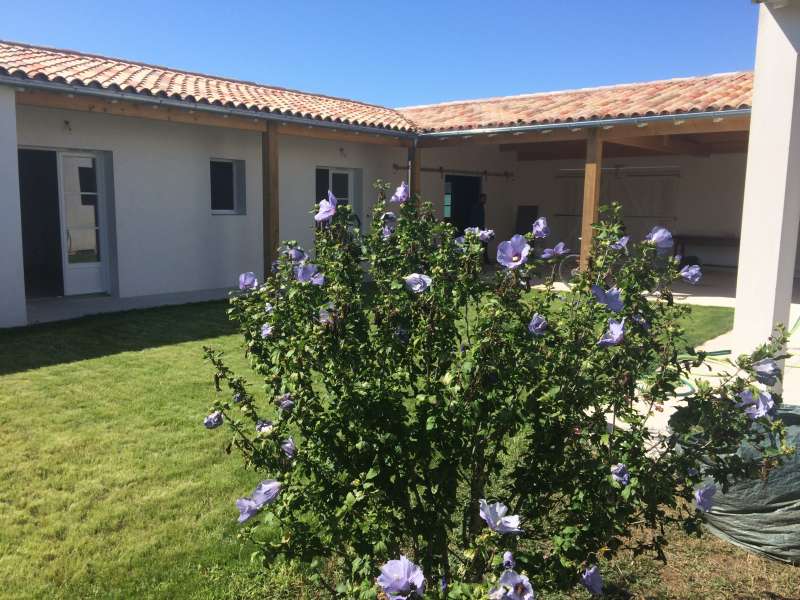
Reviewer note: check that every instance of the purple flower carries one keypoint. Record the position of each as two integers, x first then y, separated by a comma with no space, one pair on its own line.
295,254
288,447
621,243
620,474
238,397
661,238
327,208
417,282
560,249
767,371
266,330
608,297
213,420
496,519
460,241
486,234
309,273
285,402
266,492
538,324
614,335
540,228
691,274
264,427
704,497
401,193
756,407
514,252
401,579
512,586
326,314
248,281
508,560
592,580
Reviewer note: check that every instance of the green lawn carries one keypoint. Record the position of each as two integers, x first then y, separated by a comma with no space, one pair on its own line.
109,485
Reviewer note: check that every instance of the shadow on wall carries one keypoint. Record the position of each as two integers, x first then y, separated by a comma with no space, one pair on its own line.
102,335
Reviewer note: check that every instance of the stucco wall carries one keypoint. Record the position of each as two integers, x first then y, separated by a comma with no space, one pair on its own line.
12,279
298,159
167,239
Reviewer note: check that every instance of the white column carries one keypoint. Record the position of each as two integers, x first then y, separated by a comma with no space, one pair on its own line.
772,188
12,276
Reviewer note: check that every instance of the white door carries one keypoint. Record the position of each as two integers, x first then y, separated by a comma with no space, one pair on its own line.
82,225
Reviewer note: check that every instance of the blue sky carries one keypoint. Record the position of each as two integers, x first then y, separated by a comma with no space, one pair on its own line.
407,52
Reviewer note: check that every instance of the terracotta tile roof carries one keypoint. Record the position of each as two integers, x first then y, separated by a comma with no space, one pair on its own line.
76,68
674,96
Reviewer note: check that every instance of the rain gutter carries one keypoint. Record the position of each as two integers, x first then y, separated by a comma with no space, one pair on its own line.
588,124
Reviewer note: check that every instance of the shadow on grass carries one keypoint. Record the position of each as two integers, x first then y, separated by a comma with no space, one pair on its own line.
102,335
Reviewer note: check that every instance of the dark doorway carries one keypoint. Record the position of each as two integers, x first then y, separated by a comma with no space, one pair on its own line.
41,223
465,194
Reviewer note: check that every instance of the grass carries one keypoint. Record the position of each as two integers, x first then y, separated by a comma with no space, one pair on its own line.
111,488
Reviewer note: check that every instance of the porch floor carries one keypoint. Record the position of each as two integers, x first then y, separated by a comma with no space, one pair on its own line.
45,310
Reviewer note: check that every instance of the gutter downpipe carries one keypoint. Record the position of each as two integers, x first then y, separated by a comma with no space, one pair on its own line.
716,114
63,88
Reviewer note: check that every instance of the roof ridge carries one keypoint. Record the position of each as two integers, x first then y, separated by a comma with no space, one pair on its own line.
571,91
233,80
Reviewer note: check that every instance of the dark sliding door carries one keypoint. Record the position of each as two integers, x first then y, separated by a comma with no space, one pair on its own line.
41,223
465,192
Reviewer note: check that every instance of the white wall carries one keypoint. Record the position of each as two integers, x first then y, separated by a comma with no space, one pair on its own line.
298,159
167,238
12,275
772,194
500,197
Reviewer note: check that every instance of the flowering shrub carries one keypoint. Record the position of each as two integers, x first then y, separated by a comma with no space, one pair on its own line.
434,431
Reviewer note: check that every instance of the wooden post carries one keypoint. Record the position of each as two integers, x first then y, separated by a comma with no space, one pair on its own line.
269,168
591,193
415,158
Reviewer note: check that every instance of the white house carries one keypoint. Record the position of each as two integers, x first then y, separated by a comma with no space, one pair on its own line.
123,184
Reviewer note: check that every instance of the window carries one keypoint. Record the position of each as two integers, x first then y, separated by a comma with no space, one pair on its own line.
82,221
227,187
448,200
335,180
345,185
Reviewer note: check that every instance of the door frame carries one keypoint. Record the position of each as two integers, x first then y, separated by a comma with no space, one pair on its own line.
102,215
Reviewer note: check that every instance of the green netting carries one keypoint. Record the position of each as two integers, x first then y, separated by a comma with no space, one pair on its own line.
764,516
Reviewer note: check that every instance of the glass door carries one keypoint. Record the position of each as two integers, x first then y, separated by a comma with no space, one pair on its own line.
82,225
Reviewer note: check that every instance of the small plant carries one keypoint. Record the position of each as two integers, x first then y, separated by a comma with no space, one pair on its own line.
434,430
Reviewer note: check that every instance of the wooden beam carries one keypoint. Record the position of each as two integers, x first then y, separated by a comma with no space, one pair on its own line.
341,135
675,126
271,201
661,143
139,110
125,108
591,194
415,157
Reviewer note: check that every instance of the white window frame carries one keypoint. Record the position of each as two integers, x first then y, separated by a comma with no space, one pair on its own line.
239,186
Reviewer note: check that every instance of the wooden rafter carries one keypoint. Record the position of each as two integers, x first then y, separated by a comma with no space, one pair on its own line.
675,126
175,114
668,144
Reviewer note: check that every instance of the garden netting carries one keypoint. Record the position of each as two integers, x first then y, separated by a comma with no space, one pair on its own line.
764,516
